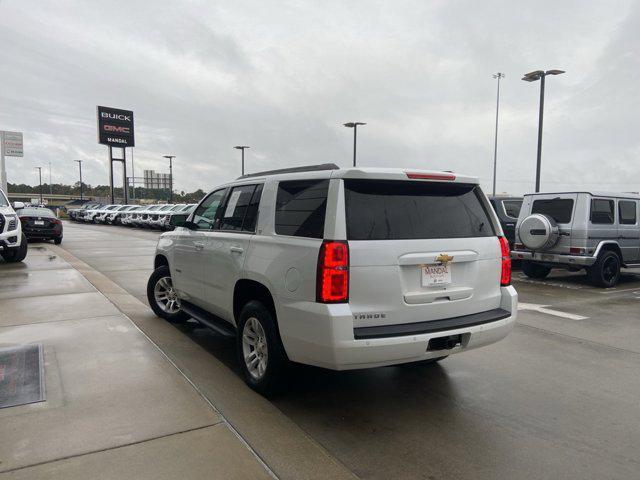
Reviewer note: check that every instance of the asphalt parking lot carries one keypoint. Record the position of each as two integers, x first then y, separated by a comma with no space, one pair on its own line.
559,398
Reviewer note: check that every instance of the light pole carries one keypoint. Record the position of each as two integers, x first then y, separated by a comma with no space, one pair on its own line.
170,157
354,125
241,148
497,76
40,177
532,77
50,186
80,167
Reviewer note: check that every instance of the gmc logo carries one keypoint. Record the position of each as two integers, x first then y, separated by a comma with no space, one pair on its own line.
116,116
116,129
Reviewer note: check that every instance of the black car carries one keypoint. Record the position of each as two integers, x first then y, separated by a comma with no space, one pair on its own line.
507,209
40,223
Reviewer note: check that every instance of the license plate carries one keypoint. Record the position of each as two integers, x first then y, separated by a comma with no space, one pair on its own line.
38,222
434,275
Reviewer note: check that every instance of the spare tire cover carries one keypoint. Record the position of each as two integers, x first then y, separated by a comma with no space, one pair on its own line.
538,232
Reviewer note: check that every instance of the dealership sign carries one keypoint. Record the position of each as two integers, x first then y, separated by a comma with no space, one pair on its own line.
11,144
115,127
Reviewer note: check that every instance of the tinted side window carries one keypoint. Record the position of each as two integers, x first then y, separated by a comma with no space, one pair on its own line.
205,214
301,207
236,207
627,211
395,210
512,208
560,209
602,211
249,224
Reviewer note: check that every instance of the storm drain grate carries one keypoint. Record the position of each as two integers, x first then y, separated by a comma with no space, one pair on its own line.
21,379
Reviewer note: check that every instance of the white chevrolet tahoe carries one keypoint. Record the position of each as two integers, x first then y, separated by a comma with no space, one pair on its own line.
339,268
13,243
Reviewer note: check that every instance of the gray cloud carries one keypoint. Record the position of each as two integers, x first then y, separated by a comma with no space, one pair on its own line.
283,77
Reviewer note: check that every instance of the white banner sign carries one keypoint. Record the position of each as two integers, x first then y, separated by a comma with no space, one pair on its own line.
12,144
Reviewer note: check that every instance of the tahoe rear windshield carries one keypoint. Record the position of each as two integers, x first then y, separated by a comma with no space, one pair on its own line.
560,209
399,210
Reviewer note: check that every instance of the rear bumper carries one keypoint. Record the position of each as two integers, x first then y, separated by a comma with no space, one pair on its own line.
580,260
324,335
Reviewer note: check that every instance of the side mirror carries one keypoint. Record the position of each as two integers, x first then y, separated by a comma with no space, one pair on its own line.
188,225
18,205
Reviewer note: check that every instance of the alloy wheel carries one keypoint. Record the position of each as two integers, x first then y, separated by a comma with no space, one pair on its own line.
254,348
165,295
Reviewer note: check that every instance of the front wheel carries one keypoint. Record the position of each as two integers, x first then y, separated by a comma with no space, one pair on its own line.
17,254
163,298
606,271
260,351
535,270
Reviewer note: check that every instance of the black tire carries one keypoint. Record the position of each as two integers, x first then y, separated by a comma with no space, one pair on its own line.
276,361
605,272
535,270
15,255
57,240
161,310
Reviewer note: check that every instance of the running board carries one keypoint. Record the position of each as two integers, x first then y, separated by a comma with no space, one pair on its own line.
209,320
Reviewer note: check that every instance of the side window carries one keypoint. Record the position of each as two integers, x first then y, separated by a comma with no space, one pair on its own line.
205,214
301,207
236,208
251,217
627,212
602,211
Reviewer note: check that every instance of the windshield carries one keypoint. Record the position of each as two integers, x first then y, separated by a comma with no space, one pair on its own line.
560,209
512,208
35,212
396,210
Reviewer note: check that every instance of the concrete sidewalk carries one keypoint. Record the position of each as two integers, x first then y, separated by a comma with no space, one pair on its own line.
115,406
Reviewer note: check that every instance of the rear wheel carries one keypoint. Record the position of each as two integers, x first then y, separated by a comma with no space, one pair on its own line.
163,298
535,270
17,254
260,351
606,271
57,240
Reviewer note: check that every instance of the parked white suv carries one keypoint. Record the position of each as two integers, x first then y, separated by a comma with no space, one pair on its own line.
341,269
13,243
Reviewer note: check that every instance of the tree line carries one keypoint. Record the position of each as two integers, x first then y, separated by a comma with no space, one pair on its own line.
103,191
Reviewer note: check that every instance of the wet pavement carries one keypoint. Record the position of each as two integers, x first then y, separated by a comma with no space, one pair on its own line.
559,398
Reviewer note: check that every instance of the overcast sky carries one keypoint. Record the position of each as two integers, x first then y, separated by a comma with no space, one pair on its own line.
282,77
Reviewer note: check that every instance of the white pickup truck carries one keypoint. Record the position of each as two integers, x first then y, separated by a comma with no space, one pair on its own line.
13,243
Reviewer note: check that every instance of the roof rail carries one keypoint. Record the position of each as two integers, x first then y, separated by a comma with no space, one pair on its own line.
308,168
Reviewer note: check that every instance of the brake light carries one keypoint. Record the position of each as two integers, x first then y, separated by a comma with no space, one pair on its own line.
505,277
333,272
431,176
577,250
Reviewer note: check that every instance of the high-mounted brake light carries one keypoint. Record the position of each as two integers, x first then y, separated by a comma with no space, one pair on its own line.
431,176
333,272
505,276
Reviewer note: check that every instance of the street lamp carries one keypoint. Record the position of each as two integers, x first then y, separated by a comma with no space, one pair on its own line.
80,167
532,77
241,148
354,125
170,157
40,176
497,76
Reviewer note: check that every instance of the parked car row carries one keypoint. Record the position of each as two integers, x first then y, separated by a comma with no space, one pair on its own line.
160,217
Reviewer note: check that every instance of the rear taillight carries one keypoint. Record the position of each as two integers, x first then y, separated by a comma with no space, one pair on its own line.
57,222
577,251
505,277
333,272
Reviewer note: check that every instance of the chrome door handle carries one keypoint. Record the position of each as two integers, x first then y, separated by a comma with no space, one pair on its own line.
236,249
199,245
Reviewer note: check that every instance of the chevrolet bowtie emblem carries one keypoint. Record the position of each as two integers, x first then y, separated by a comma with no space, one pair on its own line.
444,259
